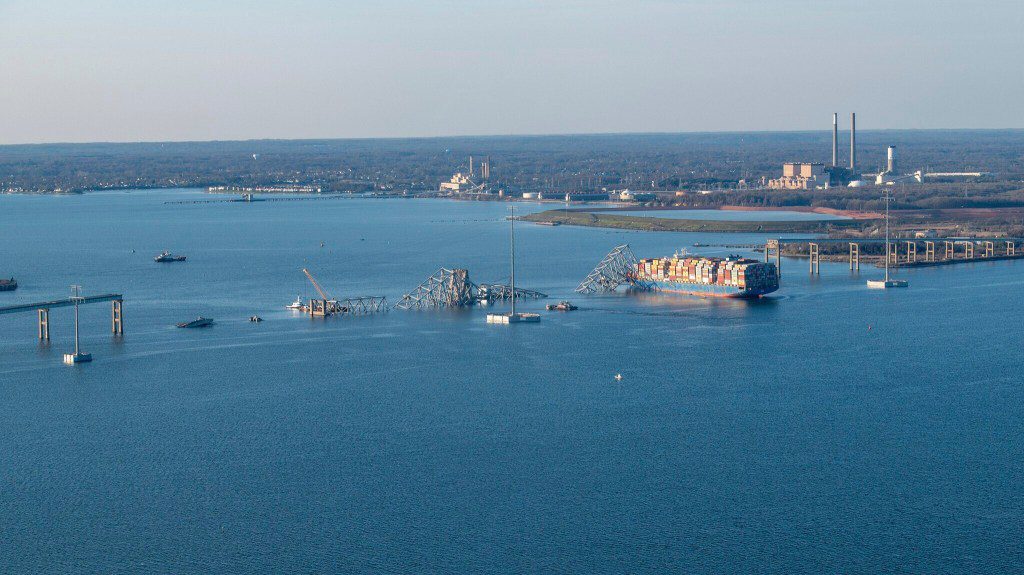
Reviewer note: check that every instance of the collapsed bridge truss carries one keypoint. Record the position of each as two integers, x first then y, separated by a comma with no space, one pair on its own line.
616,269
452,288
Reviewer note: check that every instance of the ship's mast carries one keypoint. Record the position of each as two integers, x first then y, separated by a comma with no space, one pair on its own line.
887,198
75,297
512,237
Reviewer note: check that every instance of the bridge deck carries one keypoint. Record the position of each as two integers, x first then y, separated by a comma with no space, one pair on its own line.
59,303
892,240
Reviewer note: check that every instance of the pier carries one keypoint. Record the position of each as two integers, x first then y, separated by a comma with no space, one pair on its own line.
904,252
43,308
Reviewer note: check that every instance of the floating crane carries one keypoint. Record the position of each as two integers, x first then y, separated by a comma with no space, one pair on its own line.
327,305
316,286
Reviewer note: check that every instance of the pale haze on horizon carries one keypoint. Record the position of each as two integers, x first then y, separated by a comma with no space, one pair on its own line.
187,70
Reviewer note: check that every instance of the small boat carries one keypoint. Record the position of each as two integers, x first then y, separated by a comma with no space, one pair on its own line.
8,285
561,306
256,319
198,322
297,304
507,318
166,256
618,377
885,284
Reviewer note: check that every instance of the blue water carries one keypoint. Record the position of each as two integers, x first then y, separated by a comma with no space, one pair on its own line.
830,429
730,215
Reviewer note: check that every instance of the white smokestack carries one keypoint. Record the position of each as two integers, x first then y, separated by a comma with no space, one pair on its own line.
835,140
853,141
890,164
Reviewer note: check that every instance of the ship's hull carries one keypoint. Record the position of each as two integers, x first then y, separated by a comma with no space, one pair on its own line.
711,290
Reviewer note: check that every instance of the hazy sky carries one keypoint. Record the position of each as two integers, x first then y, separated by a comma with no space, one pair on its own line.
102,70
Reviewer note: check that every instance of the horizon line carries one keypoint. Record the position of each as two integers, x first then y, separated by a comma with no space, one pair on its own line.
493,136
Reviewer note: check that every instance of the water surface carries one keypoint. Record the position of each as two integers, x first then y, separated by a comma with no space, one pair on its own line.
829,429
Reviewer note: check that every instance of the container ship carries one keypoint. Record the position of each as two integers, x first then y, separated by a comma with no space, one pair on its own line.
733,277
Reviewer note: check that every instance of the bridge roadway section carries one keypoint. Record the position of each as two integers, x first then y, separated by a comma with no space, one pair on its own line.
774,247
43,309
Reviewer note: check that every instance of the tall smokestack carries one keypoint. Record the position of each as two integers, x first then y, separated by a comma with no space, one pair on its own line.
890,164
471,166
853,141
835,140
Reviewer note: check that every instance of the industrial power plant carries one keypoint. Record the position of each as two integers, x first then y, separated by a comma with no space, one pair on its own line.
817,176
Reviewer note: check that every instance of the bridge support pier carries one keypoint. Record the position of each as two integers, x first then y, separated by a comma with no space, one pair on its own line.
911,252
117,317
774,246
969,250
929,251
44,324
990,249
894,253
815,257
1010,248
949,247
855,256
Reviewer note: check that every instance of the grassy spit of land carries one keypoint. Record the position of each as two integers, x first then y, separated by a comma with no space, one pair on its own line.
610,219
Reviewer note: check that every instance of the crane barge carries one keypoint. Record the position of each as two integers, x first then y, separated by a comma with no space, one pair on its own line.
326,305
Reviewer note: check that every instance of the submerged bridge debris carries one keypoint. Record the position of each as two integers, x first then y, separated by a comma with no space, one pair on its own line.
449,288
327,306
616,269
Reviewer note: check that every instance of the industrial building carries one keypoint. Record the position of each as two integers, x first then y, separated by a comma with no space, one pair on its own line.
814,175
800,176
462,183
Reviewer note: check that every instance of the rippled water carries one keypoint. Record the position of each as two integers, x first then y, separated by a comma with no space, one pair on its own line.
830,429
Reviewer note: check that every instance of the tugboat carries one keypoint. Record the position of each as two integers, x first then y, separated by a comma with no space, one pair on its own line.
296,305
198,322
167,256
8,285
561,306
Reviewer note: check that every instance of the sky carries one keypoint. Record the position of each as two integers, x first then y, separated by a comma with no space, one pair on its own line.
149,70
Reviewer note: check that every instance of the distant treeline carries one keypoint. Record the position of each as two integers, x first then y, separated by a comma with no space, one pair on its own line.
563,163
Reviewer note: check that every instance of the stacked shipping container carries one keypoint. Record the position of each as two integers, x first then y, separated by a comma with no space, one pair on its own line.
724,277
